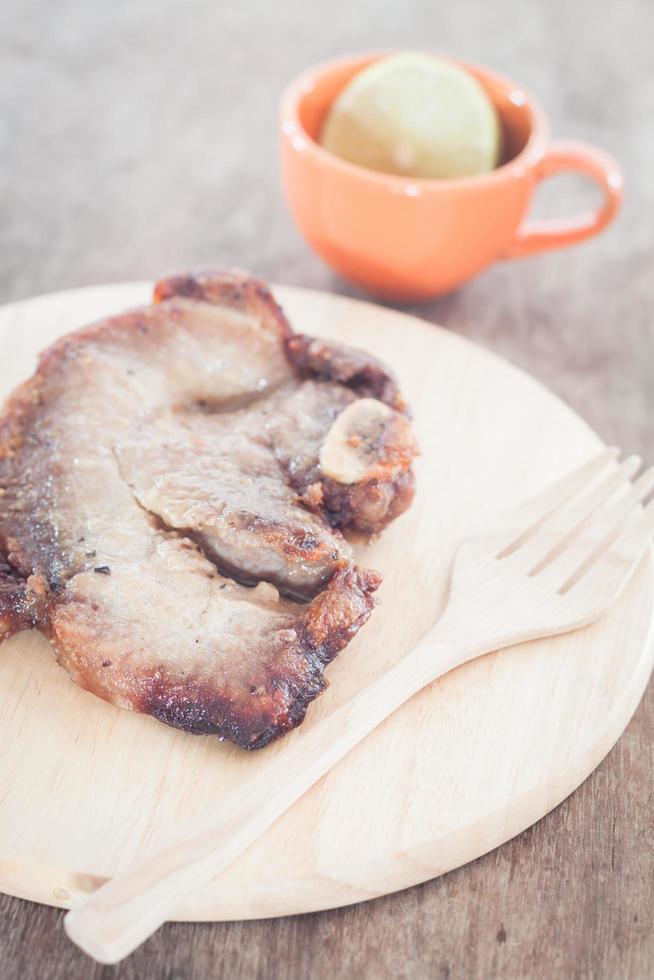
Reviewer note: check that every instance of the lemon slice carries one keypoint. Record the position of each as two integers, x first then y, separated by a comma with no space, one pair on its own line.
414,115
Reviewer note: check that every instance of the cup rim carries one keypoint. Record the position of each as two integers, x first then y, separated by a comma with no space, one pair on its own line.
301,85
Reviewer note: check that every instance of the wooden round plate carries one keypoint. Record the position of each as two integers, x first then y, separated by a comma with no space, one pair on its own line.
467,764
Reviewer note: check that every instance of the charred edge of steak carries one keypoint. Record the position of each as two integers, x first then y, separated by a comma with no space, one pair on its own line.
202,710
326,630
368,507
363,373
16,606
332,619
380,496
233,288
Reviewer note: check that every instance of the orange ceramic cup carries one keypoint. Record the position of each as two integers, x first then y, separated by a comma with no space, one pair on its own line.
405,238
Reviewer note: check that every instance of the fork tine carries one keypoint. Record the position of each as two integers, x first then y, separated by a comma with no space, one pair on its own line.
530,515
625,539
579,515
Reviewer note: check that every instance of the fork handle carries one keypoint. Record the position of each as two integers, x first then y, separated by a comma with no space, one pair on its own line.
121,914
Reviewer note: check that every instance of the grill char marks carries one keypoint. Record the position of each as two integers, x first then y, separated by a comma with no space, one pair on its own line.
109,462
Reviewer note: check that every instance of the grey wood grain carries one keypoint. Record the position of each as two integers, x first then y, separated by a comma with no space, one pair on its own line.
137,138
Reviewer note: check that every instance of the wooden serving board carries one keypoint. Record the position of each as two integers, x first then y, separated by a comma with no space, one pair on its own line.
483,753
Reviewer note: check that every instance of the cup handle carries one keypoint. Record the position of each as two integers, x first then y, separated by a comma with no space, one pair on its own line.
562,155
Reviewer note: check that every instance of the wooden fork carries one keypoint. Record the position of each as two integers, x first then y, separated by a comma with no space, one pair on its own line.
558,563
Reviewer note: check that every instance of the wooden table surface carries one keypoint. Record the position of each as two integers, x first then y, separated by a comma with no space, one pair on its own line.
138,137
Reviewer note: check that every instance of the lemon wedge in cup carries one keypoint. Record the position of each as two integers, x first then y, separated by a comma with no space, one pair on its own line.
417,116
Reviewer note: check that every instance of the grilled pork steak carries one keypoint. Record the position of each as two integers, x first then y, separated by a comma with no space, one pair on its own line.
173,482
